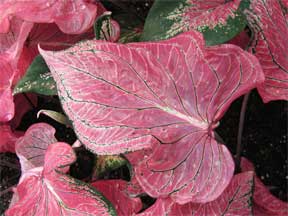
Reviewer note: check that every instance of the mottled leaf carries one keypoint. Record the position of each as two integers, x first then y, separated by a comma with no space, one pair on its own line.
37,79
48,191
107,163
264,203
218,20
113,190
31,148
270,28
235,200
106,29
170,94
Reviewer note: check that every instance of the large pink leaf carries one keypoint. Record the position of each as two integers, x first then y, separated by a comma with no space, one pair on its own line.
235,200
170,94
8,138
72,17
270,46
32,146
50,192
264,203
114,191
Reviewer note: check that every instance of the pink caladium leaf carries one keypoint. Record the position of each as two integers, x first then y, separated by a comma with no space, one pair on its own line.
264,203
169,94
31,148
12,69
270,26
48,191
8,138
114,191
235,200
72,17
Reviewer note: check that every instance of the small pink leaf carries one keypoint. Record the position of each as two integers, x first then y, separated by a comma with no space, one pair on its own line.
50,192
270,28
264,202
31,148
235,200
170,94
113,190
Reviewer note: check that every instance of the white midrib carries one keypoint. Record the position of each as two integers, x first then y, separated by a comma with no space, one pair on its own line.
193,121
50,188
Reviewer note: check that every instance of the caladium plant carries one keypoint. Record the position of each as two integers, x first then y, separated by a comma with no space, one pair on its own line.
49,185
165,95
151,107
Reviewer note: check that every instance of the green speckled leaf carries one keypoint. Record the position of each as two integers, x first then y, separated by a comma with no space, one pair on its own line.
106,163
219,21
37,79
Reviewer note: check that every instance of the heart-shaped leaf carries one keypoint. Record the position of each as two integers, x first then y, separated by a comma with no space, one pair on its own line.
235,200
31,148
270,27
50,192
170,94
219,21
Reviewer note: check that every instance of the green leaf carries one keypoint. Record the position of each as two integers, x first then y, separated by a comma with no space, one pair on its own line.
102,22
218,24
37,79
107,163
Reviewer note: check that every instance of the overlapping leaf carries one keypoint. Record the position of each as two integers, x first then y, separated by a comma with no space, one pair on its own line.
50,192
72,17
264,203
13,64
31,148
269,22
113,190
235,200
218,20
170,94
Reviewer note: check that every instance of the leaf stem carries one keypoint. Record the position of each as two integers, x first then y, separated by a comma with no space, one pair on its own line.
240,131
